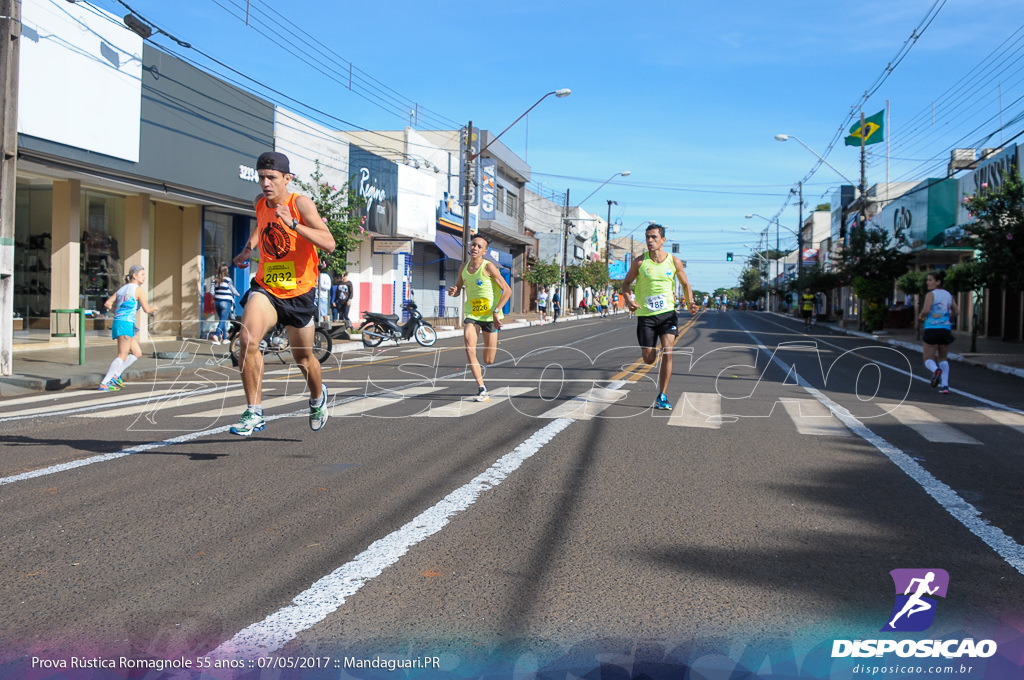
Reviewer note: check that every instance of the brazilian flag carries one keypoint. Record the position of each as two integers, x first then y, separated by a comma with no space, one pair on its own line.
872,131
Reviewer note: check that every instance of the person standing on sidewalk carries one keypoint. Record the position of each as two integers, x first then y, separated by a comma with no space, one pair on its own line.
937,311
486,293
807,307
323,296
556,306
126,303
288,232
655,273
224,294
343,299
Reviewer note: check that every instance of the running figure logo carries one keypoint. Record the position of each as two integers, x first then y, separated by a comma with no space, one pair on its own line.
914,609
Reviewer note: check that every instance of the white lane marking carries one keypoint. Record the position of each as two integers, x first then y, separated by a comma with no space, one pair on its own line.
588,404
71,465
897,369
328,594
468,406
1002,417
929,426
811,417
698,409
948,499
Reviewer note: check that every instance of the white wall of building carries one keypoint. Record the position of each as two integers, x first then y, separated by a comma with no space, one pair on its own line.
305,143
92,68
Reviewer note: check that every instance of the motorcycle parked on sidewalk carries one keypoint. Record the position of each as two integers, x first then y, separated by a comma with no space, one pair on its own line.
377,328
276,342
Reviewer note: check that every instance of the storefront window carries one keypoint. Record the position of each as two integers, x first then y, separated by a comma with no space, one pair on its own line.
103,218
217,231
32,248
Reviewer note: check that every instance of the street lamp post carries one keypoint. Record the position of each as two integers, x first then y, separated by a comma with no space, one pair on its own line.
777,243
608,234
860,185
471,157
764,261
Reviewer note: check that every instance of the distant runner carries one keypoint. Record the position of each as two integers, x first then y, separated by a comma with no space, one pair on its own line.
937,311
486,293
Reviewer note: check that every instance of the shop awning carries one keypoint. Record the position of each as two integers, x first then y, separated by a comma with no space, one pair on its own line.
450,245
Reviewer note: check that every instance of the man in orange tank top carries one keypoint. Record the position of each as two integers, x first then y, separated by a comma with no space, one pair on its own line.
288,232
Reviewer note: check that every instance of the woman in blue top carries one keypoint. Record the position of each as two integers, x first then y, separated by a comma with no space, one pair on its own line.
126,303
937,311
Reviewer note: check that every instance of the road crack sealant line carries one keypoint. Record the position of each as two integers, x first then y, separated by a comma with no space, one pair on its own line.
328,594
965,513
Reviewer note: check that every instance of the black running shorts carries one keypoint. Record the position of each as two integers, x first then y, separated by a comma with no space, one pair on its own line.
297,312
937,336
649,329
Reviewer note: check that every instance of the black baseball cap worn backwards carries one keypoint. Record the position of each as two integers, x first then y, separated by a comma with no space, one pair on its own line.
272,160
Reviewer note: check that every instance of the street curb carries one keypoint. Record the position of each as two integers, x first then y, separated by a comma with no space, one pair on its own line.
917,347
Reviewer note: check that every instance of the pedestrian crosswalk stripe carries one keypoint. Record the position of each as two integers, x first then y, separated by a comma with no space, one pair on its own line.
468,406
698,409
289,400
588,404
812,417
1013,420
110,399
930,427
156,404
359,406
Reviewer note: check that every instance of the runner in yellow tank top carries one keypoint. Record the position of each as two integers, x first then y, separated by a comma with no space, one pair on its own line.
655,273
486,293
292,227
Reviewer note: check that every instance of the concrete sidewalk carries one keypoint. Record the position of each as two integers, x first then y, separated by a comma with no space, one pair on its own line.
40,367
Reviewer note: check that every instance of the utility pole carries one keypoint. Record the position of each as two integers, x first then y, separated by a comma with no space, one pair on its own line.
467,162
10,41
565,247
608,235
800,232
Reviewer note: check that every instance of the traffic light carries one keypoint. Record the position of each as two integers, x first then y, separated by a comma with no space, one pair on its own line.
728,257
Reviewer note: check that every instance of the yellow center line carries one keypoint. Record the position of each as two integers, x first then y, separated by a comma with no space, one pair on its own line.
639,369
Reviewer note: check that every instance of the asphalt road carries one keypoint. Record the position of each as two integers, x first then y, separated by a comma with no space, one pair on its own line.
774,500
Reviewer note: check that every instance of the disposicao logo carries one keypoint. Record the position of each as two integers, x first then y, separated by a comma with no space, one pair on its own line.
915,605
914,611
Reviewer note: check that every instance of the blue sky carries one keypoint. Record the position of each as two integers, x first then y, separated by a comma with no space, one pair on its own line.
685,95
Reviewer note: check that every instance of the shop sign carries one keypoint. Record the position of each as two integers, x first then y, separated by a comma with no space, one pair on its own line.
392,246
375,179
488,189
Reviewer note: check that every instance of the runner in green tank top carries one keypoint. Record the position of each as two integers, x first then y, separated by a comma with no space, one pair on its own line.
486,293
655,274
